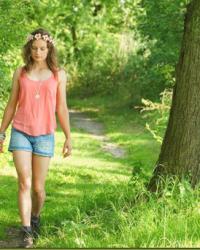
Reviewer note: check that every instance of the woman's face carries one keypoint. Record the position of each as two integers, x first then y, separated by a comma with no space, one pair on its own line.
39,50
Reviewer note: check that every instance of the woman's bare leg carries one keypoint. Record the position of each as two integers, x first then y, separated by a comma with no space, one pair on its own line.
22,161
40,165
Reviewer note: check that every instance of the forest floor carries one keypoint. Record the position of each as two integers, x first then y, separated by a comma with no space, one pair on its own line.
88,193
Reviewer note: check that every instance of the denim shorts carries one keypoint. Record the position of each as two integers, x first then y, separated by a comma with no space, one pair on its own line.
41,145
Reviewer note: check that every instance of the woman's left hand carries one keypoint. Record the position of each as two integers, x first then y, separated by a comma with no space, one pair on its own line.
67,148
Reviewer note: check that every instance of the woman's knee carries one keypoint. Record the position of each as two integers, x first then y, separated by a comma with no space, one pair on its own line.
25,185
39,192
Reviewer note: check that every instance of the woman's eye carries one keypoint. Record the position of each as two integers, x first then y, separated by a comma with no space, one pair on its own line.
40,49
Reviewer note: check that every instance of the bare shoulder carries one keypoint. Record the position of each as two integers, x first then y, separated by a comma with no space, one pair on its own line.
62,75
13,99
17,73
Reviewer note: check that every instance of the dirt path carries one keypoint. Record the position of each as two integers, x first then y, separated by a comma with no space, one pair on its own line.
96,129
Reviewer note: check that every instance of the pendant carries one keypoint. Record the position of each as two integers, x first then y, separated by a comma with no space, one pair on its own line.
37,96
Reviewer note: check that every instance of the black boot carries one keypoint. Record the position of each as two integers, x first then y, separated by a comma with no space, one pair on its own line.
35,224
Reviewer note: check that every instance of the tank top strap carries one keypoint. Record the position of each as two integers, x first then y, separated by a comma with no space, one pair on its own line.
56,75
22,71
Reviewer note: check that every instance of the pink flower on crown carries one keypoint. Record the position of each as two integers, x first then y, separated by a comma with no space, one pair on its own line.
45,37
37,36
51,40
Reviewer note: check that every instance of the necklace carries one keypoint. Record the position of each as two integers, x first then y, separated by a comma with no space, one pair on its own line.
37,93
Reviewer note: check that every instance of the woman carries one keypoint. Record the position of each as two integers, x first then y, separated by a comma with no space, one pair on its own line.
39,89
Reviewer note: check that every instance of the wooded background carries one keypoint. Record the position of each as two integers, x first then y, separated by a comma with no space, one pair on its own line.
124,47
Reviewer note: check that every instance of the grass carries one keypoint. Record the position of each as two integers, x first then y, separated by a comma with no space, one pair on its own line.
94,200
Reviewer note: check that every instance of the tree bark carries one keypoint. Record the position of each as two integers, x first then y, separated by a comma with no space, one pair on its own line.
180,150
74,40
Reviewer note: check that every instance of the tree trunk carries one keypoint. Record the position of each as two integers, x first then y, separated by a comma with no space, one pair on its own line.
74,40
180,150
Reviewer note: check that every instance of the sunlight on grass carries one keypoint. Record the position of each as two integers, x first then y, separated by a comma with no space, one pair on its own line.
93,199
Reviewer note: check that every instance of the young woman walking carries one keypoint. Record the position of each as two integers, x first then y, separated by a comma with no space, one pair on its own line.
39,89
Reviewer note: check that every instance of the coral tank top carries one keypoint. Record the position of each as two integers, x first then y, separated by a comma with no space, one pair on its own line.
36,108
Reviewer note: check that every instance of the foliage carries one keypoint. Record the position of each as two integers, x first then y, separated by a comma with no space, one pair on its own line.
160,26
107,47
13,14
157,114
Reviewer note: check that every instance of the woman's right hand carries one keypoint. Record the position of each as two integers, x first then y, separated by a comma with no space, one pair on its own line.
1,146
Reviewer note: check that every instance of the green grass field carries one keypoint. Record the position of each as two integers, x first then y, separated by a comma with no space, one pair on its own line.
94,200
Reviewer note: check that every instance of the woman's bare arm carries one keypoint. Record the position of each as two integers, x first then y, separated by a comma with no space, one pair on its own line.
63,113
61,104
12,102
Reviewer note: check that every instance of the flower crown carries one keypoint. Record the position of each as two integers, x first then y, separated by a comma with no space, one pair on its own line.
40,36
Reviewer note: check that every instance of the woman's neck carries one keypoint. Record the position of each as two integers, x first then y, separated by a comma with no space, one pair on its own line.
39,66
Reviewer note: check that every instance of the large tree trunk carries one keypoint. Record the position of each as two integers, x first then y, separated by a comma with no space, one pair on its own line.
180,150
